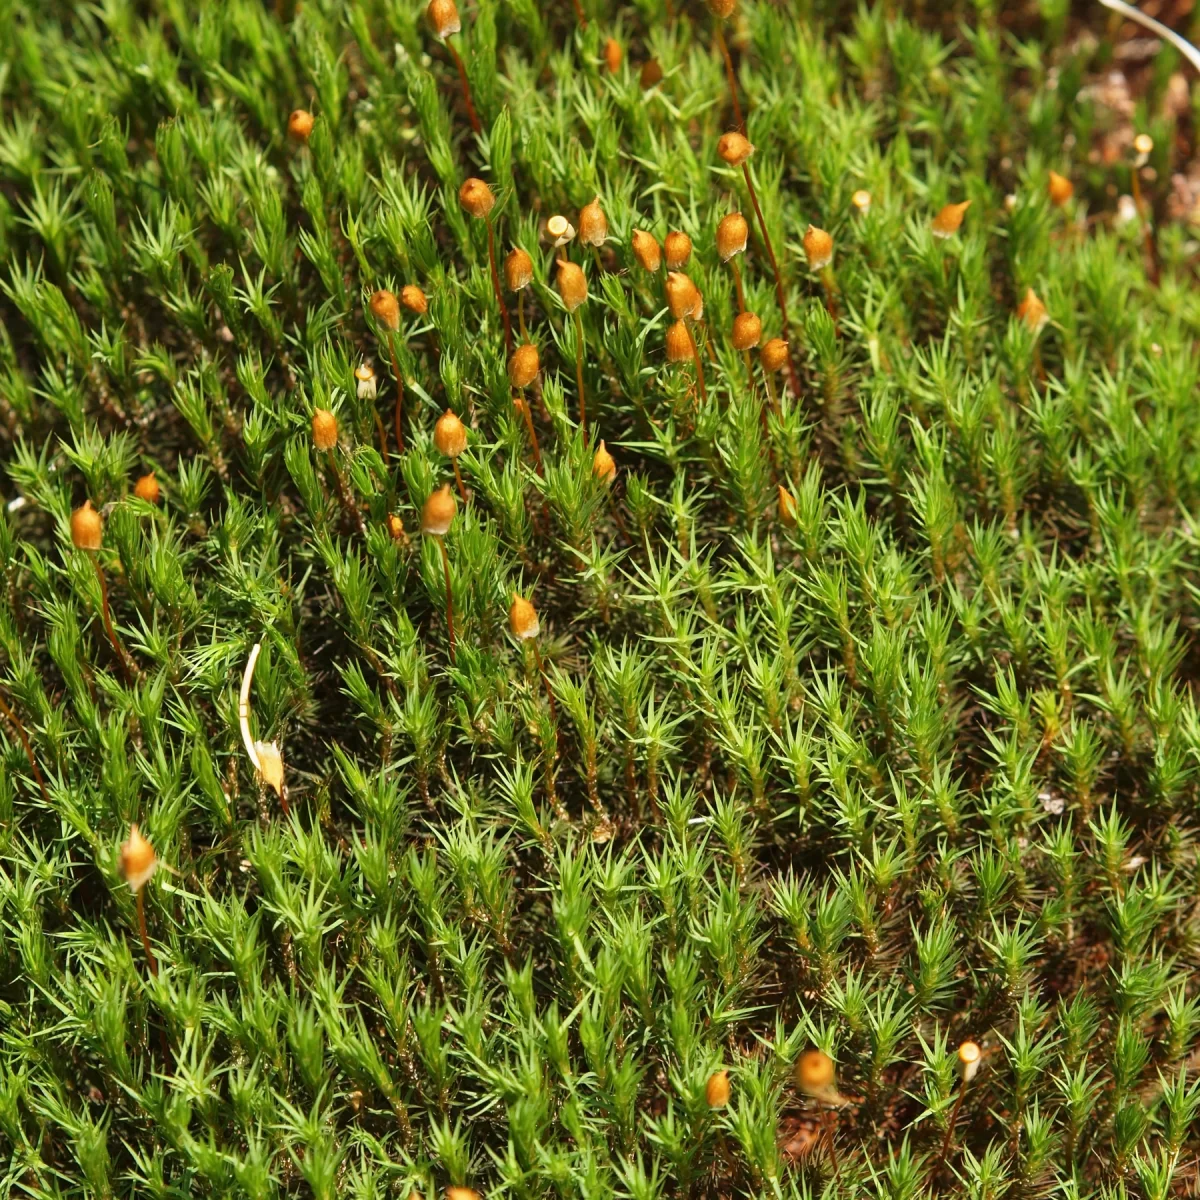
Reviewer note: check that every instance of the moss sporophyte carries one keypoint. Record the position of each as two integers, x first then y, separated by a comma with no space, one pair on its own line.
599,600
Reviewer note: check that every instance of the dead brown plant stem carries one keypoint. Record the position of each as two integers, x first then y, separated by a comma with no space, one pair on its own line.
151,961
779,293
466,88
24,737
449,596
127,667
508,337
733,96
462,491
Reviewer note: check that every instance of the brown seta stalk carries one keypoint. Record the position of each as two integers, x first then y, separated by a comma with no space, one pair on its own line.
347,500
449,596
399,395
141,912
579,374
779,293
127,667
699,371
24,738
541,669
729,74
472,116
948,1140
508,337
523,405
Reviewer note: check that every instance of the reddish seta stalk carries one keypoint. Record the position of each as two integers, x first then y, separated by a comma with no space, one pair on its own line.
729,75
24,738
449,597
780,298
151,961
699,372
399,396
127,667
579,374
508,337
472,116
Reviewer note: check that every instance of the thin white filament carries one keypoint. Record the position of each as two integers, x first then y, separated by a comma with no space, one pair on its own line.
244,706
1181,44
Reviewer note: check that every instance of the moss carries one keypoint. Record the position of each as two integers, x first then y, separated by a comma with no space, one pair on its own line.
854,711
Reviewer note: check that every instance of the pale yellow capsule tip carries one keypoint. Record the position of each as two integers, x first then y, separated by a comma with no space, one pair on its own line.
270,765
